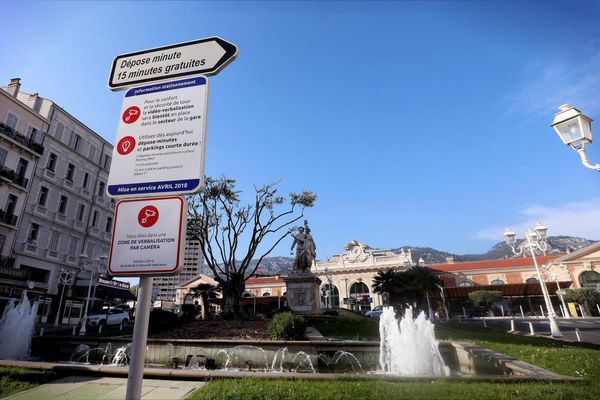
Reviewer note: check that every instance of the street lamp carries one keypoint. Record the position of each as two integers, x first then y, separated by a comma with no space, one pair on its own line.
65,278
535,239
575,130
329,291
554,276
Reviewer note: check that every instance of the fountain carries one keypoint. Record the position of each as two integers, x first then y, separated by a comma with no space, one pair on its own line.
410,347
16,328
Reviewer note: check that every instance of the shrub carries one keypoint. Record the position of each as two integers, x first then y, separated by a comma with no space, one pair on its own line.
287,326
161,319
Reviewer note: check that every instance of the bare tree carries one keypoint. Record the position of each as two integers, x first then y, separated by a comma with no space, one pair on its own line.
226,228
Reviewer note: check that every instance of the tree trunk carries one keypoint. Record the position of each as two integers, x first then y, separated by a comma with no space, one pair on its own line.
232,295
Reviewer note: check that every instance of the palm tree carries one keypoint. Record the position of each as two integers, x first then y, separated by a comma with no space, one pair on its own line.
408,286
204,291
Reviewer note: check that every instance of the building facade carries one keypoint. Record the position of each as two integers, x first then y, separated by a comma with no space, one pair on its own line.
65,231
21,134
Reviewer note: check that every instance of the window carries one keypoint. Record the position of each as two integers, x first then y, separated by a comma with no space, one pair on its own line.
31,133
11,120
101,189
34,229
106,162
90,251
497,282
11,204
54,239
51,162
109,222
589,279
75,141
92,153
70,172
43,196
62,206
60,128
73,242
22,167
80,212
3,154
94,218
465,284
2,240
86,178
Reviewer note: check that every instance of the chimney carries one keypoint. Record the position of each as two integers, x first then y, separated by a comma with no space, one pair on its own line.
14,86
450,260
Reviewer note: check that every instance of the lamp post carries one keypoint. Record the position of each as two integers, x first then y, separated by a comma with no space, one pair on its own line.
444,302
554,276
100,262
329,276
575,130
65,278
535,239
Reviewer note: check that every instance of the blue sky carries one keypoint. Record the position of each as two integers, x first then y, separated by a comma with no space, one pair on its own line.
416,123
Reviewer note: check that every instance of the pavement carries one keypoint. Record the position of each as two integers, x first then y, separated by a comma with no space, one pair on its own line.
107,388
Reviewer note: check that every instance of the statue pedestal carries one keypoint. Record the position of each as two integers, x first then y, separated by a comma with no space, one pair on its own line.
302,292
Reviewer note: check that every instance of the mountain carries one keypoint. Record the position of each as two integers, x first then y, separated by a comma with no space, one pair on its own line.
556,244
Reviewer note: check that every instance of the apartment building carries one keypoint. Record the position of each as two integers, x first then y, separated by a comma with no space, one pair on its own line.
67,217
165,287
21,135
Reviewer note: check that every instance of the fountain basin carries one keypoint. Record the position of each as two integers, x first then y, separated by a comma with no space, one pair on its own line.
463,359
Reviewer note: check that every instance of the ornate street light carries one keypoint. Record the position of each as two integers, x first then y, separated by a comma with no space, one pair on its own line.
536,239
575,130
65,278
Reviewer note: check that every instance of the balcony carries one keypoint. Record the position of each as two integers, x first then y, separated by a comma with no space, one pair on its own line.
6,262
21,139
8,219
10,175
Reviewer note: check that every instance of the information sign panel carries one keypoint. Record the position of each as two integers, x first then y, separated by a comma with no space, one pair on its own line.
148,236
161,140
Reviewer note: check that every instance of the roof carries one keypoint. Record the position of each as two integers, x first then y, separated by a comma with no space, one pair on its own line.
493,264
264,280
511,289
195,281
584,251
117,293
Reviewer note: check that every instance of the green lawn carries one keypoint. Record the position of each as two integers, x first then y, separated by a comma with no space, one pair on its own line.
579,360
14,380
344,328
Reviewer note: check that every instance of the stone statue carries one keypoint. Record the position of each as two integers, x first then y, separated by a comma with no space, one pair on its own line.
306,250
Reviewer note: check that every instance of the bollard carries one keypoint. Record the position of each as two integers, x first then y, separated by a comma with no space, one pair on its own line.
74,331
121,326
577,334
502,310
522,313
464,313
512,325
99,329
42,332
598,307
484,323
531,330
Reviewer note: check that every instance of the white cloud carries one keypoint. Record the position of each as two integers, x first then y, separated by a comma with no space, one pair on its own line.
573,219
557,78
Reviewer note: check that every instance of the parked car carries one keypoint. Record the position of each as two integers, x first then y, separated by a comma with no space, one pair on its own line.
375,313
115,316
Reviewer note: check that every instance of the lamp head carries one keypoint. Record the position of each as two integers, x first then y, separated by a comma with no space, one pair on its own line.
573,127
510,237
542,231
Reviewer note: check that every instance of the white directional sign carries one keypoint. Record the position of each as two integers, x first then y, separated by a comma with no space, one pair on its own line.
148,236
161,140
205,56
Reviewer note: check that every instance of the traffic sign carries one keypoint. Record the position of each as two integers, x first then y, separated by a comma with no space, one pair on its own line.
148,236
161,140
205,56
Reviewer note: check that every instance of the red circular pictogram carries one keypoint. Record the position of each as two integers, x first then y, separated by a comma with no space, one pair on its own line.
131,114
148,216
126,145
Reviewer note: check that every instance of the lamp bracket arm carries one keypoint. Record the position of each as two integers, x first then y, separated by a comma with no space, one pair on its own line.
585,161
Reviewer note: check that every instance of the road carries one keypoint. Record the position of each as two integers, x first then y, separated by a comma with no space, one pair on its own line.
589,328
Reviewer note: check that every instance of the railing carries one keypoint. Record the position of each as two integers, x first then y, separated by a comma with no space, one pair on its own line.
20,138
13,177
8,219
50,173
7,262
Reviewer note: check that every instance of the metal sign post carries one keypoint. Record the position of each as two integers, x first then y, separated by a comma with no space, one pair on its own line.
140,337
161,141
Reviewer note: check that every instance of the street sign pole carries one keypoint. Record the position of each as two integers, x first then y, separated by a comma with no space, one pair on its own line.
140,336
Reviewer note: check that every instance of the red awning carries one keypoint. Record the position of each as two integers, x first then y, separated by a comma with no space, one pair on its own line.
508,290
